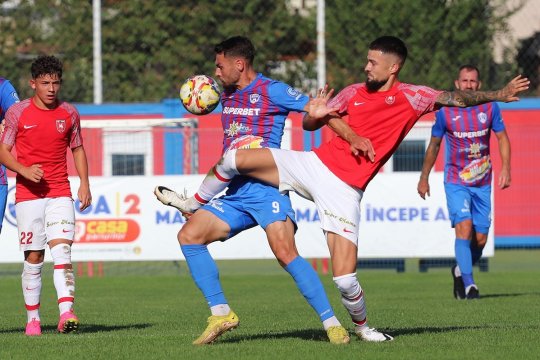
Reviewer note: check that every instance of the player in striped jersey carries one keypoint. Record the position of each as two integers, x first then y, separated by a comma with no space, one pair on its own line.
254,110
41,128
8,97
381,111
467,175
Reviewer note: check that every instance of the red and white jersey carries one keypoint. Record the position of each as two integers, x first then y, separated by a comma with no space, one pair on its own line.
42,137
383,117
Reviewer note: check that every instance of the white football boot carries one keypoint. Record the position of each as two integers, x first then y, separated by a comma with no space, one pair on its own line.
370,334
187,206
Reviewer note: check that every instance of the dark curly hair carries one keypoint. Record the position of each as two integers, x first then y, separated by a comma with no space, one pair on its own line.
46,65
237,46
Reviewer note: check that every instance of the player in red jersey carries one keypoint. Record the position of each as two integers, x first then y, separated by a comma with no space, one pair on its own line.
41,128
381,111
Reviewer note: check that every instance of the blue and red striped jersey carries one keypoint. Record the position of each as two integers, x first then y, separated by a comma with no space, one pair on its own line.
467,132
258,112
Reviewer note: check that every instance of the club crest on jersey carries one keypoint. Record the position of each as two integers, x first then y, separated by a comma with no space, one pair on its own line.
390,100
482,117
61,125
293,93
254,98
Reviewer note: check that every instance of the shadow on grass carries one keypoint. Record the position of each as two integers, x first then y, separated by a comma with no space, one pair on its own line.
83,329
319,335
486,296
306,334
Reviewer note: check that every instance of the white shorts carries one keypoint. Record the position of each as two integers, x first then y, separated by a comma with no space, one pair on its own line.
338,203
42,220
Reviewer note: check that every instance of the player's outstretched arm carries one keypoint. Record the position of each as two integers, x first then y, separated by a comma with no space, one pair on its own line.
462,98
317,111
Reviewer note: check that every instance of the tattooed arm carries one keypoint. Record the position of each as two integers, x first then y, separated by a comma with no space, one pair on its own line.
461,98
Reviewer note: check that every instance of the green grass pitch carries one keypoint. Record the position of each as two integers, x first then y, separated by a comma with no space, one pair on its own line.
130,315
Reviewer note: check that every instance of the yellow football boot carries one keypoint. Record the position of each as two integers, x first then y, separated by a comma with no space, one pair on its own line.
338,335
217,325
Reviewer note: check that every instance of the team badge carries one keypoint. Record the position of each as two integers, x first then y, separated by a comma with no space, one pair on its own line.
482,117
293,93
390,100
61,125
254,98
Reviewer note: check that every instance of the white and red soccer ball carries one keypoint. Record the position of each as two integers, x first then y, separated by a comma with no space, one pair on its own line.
200,94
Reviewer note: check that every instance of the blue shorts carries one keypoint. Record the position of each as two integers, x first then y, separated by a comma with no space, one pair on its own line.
469,203
248,203
3,200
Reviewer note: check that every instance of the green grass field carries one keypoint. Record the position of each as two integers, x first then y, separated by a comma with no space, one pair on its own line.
156,312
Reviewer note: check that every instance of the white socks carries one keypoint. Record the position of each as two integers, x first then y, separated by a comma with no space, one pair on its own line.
64,280
31,286
220,310
352,297
328,323
218,178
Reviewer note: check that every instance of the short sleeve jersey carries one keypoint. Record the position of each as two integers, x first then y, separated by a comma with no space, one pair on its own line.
384,117
467,133
8,97
255,115
42,137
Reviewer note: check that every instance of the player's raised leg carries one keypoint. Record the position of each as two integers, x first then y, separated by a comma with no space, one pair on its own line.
257,163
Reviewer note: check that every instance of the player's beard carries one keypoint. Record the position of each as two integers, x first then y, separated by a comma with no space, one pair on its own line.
375,85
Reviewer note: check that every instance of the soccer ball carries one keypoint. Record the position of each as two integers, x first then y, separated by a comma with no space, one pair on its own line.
200,94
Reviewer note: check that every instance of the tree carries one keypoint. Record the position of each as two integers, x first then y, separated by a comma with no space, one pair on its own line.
529,60
149,47
441,35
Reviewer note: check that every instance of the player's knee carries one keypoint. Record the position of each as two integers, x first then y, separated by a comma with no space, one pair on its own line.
187,236
31,271
285,254
282,245
348,285
481,240
228,161
61,254
34,257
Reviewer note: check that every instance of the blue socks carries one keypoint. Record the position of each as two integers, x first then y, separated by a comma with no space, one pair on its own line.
476,253
310,286
204,272
464,260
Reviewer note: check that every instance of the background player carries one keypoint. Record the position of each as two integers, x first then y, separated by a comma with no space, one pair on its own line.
42,127
254,110
381,112
467,175
8,97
